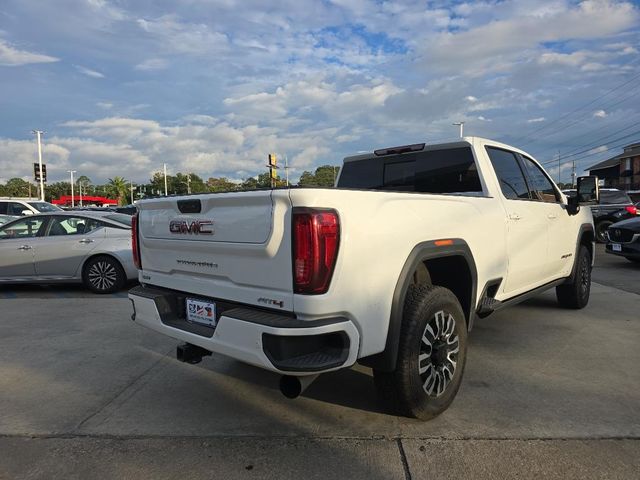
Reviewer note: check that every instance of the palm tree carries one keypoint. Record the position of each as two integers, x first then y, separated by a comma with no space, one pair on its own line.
119,186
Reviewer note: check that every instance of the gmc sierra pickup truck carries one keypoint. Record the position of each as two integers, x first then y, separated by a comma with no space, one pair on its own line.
389,269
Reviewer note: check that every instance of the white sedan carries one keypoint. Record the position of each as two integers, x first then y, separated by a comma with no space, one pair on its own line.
93,248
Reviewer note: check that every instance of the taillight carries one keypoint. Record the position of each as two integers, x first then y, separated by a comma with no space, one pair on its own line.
316,236
135,245
631,209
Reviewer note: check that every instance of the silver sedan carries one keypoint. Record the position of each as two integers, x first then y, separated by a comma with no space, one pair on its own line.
93,248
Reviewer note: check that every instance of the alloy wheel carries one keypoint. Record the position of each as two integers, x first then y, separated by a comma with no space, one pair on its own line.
102,275
438,354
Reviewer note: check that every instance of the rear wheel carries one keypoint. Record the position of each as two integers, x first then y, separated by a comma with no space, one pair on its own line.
103,274
576,294
601,230
431,355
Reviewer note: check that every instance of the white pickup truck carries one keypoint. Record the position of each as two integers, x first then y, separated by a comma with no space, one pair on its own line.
389,269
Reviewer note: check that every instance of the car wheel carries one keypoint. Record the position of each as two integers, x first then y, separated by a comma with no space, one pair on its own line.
431,355
576,294
634,260
103,274
601,230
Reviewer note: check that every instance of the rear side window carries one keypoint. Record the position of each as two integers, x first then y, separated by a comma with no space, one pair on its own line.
612,197
451,170
509,173
3,208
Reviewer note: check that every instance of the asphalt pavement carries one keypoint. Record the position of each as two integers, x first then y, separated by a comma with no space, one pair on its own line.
85,392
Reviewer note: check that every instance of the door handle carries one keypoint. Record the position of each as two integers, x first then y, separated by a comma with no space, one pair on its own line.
515,216
552,216
25,247
85,240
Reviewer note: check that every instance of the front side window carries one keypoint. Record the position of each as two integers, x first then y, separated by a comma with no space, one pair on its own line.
61,226
541,187
509,173
16,209
25,228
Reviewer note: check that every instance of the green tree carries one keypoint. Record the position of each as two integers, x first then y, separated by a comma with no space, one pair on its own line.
17,187
221,184
324,176
56,190
120,189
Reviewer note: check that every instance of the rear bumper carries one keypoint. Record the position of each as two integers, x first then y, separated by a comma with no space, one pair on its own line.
276,342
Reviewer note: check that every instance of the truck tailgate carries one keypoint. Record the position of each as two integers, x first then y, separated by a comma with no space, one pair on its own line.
234,246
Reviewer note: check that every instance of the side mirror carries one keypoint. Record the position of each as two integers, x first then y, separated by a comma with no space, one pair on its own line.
26,212
588,191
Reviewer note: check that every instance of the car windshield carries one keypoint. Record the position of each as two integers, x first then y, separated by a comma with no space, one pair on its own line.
120,218
44,207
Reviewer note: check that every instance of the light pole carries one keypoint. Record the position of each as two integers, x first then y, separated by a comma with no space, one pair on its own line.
72,197
39,133
165,180
461,125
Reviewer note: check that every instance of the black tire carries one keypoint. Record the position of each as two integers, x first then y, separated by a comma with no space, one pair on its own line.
634,260
601,228
103,274
422,384
576,294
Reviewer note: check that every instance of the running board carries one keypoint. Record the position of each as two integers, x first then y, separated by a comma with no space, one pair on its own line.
489,305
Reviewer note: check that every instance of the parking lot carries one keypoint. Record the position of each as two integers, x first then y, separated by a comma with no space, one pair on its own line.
85,392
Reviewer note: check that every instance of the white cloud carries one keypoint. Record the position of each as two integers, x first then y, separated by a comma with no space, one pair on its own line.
536,120
184,38
12,57
152,64
471,98
88,72
600,114
105,105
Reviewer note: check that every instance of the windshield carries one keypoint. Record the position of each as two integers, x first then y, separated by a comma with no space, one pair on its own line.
120,218
44,207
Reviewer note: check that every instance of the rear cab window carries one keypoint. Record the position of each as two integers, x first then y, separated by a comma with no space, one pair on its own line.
446,170
609,197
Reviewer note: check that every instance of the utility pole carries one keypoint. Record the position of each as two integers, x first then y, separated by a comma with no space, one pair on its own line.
286,169
461,125
573,174
558,167
131,187
165,180
188,183
72,197
39,133
80,188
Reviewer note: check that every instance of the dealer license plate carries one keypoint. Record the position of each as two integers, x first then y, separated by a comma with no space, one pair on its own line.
616,247
199,311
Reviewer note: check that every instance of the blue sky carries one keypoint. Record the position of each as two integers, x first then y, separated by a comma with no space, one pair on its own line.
212,86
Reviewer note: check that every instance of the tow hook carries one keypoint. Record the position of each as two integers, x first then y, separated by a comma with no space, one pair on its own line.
292,387
192,354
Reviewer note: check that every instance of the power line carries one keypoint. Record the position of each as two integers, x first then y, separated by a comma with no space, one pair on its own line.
578,109
594,143
549,162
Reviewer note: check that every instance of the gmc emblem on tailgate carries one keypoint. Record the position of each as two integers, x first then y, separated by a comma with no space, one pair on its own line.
197,227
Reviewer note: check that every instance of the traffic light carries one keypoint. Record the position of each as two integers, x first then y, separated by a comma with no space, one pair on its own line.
36,172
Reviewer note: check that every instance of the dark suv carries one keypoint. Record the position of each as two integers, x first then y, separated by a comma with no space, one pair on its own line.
614,206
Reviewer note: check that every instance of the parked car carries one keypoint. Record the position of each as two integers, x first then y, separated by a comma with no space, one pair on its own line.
624,239
6,218
87,247
128,209
19,207
614,206
389,269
